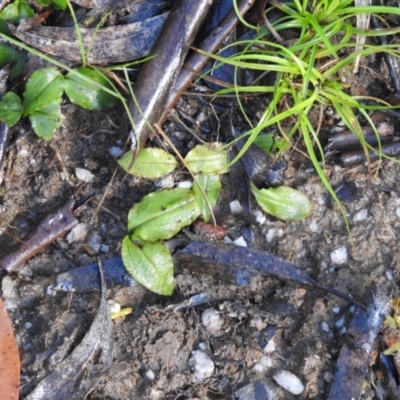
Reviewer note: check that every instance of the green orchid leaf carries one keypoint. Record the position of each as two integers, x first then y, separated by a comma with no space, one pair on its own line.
161,215
10,108
149,164
209,159
151,265
43,88
46,120
283,202
211,185
87,95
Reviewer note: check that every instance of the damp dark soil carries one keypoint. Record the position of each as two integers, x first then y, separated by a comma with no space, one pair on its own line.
257,330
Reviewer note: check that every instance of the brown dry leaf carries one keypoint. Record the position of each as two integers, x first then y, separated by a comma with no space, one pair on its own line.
9,358
107,45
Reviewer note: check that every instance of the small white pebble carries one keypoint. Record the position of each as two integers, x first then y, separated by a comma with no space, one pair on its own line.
325,326
352,309
270,347
166,182
389,274
235,207
113,306
343,330
185,185
240,242
340,322
84,175
266,361
336,310
78,233
7,287
115,151
260,216
289,382
321,200
398,211
202,117
227,239
23,152
313,226
202,365
339,256
28,325
212,320
272,233
203,346
259,368
150,375
361,215
32,161
104,248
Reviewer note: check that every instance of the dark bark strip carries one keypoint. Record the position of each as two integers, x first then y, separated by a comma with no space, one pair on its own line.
159,74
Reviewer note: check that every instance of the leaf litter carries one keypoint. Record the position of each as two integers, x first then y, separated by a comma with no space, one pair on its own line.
75,377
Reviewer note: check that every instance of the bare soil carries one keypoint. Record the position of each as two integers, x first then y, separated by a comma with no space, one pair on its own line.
153,345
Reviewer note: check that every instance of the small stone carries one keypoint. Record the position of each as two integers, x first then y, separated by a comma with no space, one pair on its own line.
235,207
115,151
212,320
325,326
339,256
260,216
113,306
84,175
340,322
361,215
313,226
185,185
150,375
202,365
77,234
289,382
240,242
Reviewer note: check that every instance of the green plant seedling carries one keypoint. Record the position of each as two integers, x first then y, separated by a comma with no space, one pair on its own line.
84,94
151,265
207,159
283,202
211,185
14,12
42,100
10,56
10,109
161,215
151,163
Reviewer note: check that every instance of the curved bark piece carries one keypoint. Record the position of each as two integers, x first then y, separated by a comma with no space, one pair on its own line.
353,361
107,45
197,61
157,75
239,265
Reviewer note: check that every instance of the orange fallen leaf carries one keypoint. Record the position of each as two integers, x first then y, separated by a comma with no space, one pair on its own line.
9,358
